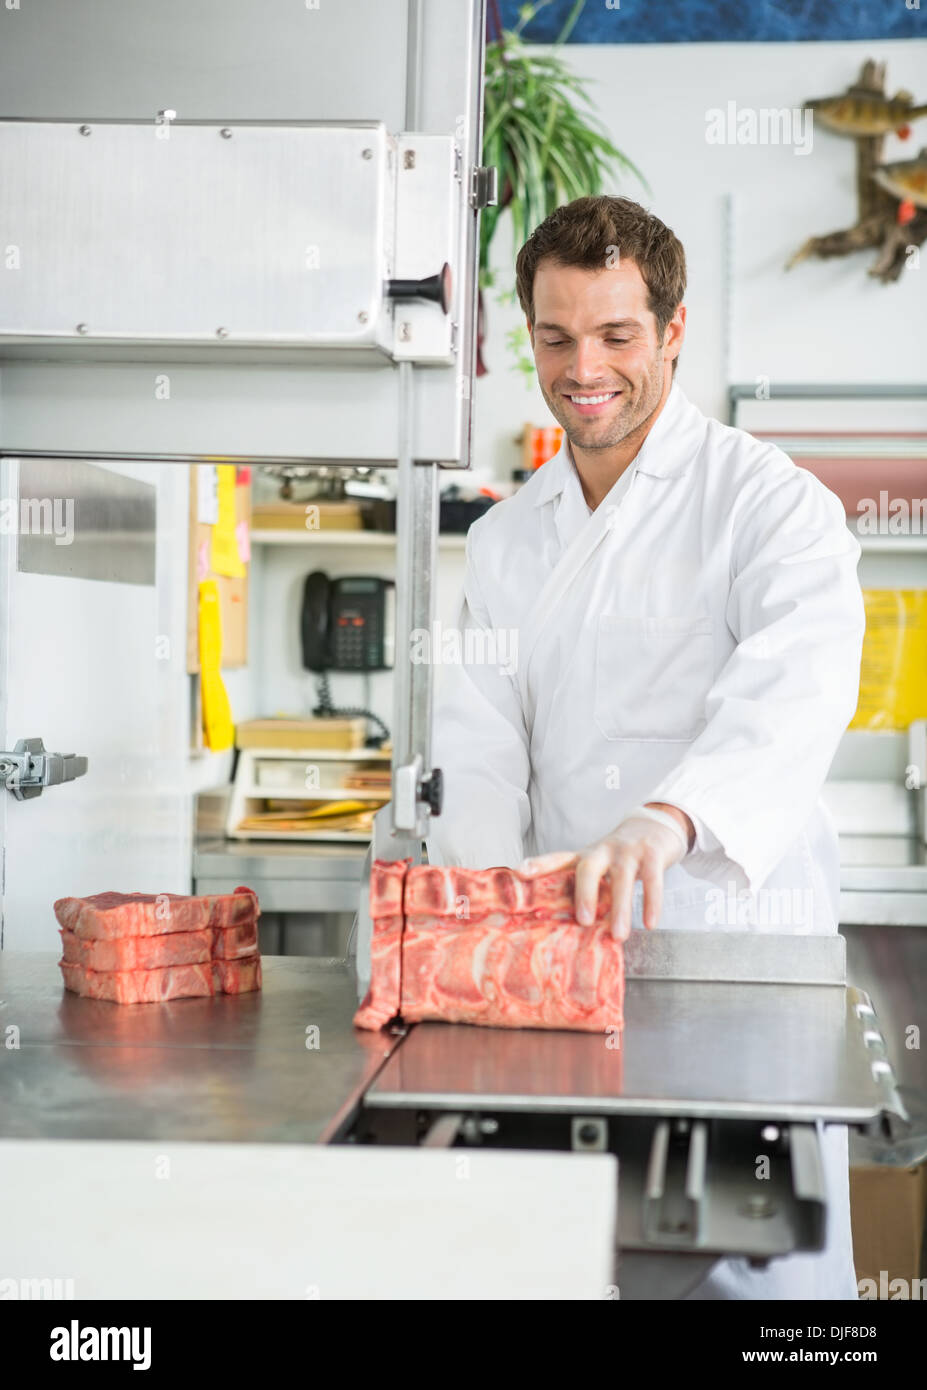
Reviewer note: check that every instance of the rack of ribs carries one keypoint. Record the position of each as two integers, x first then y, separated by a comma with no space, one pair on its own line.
490,947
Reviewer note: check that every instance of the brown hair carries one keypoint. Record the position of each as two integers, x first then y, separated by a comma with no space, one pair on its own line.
585,232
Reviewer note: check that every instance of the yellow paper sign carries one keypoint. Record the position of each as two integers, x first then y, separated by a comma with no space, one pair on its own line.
218,728
893,677
225,556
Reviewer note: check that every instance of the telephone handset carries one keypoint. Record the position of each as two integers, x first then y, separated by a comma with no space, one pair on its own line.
347,624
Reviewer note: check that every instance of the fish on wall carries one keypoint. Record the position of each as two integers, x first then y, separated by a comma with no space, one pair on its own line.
905,179
863,112
891,198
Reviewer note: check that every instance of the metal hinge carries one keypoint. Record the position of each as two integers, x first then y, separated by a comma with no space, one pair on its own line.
484,190
28,770
915,774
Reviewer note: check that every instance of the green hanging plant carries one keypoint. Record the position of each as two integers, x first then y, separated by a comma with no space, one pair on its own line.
547,150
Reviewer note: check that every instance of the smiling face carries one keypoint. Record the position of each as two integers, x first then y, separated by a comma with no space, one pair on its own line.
595,336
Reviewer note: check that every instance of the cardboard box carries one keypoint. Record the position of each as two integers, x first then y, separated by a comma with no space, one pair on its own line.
305,734
307,516
887,1209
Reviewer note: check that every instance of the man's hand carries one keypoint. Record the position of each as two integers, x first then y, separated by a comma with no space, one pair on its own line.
641,847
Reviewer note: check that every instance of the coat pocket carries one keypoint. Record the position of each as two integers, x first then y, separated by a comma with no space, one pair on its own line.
652,676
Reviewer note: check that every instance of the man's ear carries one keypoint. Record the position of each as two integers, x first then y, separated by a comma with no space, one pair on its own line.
675,333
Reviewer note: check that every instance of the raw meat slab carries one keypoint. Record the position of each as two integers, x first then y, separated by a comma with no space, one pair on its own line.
107,916
144,948
489,947
152,952
171,982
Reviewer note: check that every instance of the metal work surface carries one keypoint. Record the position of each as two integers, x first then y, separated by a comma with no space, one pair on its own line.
689,1048
233,1067
219,857
287,877
749,956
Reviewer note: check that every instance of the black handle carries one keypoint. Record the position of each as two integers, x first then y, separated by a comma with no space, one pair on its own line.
434,287
431,790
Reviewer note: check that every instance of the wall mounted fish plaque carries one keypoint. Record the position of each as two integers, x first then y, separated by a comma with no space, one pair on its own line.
892,198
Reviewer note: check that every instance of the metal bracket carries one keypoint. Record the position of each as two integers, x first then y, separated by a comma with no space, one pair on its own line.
916,773
406,781
484,187
808,1178
29,769
674,1194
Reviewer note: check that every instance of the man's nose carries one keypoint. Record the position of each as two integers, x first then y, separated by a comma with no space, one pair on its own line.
588,363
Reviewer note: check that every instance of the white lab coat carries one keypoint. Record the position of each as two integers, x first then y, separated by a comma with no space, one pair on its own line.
695,640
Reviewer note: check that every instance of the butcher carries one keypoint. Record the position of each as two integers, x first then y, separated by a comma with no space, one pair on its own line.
686,622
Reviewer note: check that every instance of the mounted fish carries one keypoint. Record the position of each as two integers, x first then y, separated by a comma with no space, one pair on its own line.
863,112
905,179
892,213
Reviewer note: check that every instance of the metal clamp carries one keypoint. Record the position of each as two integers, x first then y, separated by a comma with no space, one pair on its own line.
484,186
674,1199
29,769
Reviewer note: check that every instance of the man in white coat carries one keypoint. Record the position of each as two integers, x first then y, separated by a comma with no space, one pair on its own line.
661,633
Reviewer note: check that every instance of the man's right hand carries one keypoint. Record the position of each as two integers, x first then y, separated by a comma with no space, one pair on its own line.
638,848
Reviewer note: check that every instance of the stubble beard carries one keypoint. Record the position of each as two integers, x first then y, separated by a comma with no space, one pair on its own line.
624,419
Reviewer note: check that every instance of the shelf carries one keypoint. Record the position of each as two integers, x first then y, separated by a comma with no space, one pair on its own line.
860,444
246,791
335,755
891,545
353,837
381,540
378,540
267,793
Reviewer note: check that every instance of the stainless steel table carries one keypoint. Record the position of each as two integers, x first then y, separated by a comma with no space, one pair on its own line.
234,1067
717,1025
237,1069
690,1048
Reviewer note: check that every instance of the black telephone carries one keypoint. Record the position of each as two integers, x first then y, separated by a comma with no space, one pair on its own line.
347,624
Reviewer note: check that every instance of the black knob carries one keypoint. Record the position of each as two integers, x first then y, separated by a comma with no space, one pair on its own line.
434,287
431,790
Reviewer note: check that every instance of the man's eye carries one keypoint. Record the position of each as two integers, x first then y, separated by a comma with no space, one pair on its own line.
558,342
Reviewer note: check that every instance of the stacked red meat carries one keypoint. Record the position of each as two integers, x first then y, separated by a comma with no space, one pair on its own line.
489,947
142,948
